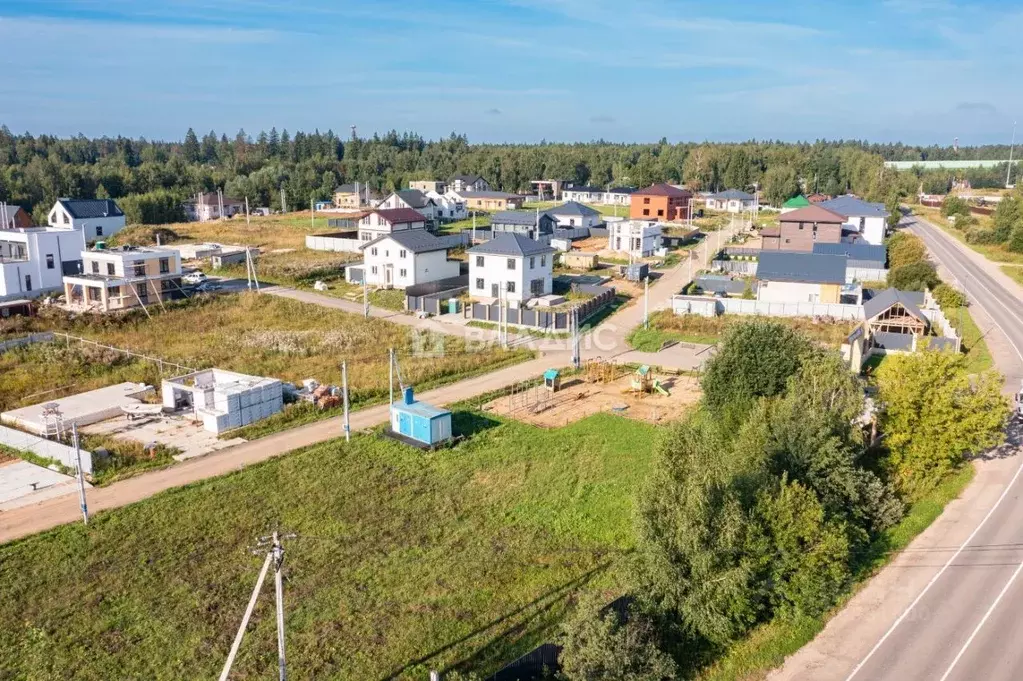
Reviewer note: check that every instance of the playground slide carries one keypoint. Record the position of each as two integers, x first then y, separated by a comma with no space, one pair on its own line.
660,388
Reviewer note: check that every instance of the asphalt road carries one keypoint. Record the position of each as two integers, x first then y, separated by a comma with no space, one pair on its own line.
965,622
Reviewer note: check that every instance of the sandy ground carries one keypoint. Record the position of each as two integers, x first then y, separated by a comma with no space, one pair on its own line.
174,431
579,398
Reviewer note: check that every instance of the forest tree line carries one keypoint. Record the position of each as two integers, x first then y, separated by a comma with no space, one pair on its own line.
150,179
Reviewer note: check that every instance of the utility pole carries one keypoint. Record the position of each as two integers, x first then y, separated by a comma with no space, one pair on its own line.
81,474
646,302
474,227
576,355
312,213
278,555
284,203
247,210
344,397
245,618
390,383
365,289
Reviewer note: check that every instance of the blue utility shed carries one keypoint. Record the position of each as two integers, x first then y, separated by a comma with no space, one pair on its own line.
420,421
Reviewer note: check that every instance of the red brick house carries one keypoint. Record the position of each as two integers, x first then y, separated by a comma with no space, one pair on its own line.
800,229
660,202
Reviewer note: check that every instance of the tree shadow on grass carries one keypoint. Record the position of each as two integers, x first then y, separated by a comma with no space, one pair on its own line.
469,423
525,634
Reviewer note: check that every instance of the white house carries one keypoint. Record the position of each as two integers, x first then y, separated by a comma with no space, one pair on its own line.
573,214
207,206
789,277
404,258
583,194
411,198
95,218
869,220
637,238
379,222
34,260
618,196
510,267
115,279
731,201
468,183
450,206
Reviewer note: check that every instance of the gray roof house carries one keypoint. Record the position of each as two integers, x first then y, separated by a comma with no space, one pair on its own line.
417,241
805,268
521,222
860,254
511,245
96,218
574,208
732,194
853,206
83,209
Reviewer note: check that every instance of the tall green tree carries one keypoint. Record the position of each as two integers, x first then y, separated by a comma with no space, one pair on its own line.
780,184
934,415
190,147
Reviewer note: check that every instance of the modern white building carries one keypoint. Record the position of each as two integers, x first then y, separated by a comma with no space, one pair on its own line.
411,198
572,214
618,196
95,218
450,206
868,220
731,201
404,258
512,268
637,238
468,183
379,222
223,400
34,260
126,277
583,194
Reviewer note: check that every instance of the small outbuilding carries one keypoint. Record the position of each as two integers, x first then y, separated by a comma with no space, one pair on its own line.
577,260
552,380
420,422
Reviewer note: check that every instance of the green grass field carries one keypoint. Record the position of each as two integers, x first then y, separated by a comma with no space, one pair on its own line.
405,561
978,356
666,326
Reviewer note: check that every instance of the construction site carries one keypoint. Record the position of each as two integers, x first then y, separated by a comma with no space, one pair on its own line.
637,393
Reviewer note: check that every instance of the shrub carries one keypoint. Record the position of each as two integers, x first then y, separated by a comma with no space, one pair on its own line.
916,276
948,297
980,235
905,249
953,205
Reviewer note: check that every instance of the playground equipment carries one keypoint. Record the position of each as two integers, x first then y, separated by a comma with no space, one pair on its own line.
643,381
600,370
532,397
552,380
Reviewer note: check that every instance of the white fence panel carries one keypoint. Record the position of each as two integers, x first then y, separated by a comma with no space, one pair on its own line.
48,449
44,337
854,274
330,243
708,307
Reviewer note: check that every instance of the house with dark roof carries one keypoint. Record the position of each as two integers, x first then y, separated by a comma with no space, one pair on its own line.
662,202
527,223
95,218
860,255
512,268
731,201
799,230
411,198
864,218
786,277
468,183
572,214
898,321
405,258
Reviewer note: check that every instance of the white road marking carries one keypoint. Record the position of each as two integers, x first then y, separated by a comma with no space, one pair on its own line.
962,547
982,622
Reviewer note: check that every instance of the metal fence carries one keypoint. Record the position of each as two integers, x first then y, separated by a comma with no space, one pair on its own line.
432,297
45,337
339,242
544,320
709,307
48,449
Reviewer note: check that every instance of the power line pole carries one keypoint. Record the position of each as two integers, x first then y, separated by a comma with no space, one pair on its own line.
365,289
245,619
646,303
278,555
247,210
1008,171
344,397
81,474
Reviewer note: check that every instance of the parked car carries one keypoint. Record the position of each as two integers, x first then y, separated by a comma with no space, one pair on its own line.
194,278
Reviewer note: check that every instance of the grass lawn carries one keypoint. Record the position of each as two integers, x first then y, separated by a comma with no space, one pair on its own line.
251,333
1013,271
272,232
768,646
667,326
978,356
482,220
405,561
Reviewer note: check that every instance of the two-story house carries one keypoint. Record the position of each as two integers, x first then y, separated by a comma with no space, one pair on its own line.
866,219
635,238
468,183
212,206
411,198
118,279
449,206
427,186
800,229
95,218
356,195
34,260
380,221
573,214
527,223
510,267
405,258
662,202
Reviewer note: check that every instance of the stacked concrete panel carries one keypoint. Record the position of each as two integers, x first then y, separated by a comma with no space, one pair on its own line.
225,400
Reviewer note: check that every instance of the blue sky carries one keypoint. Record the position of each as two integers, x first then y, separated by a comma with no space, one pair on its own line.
919,71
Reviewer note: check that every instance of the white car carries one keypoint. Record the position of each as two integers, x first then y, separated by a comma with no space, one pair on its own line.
194,278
